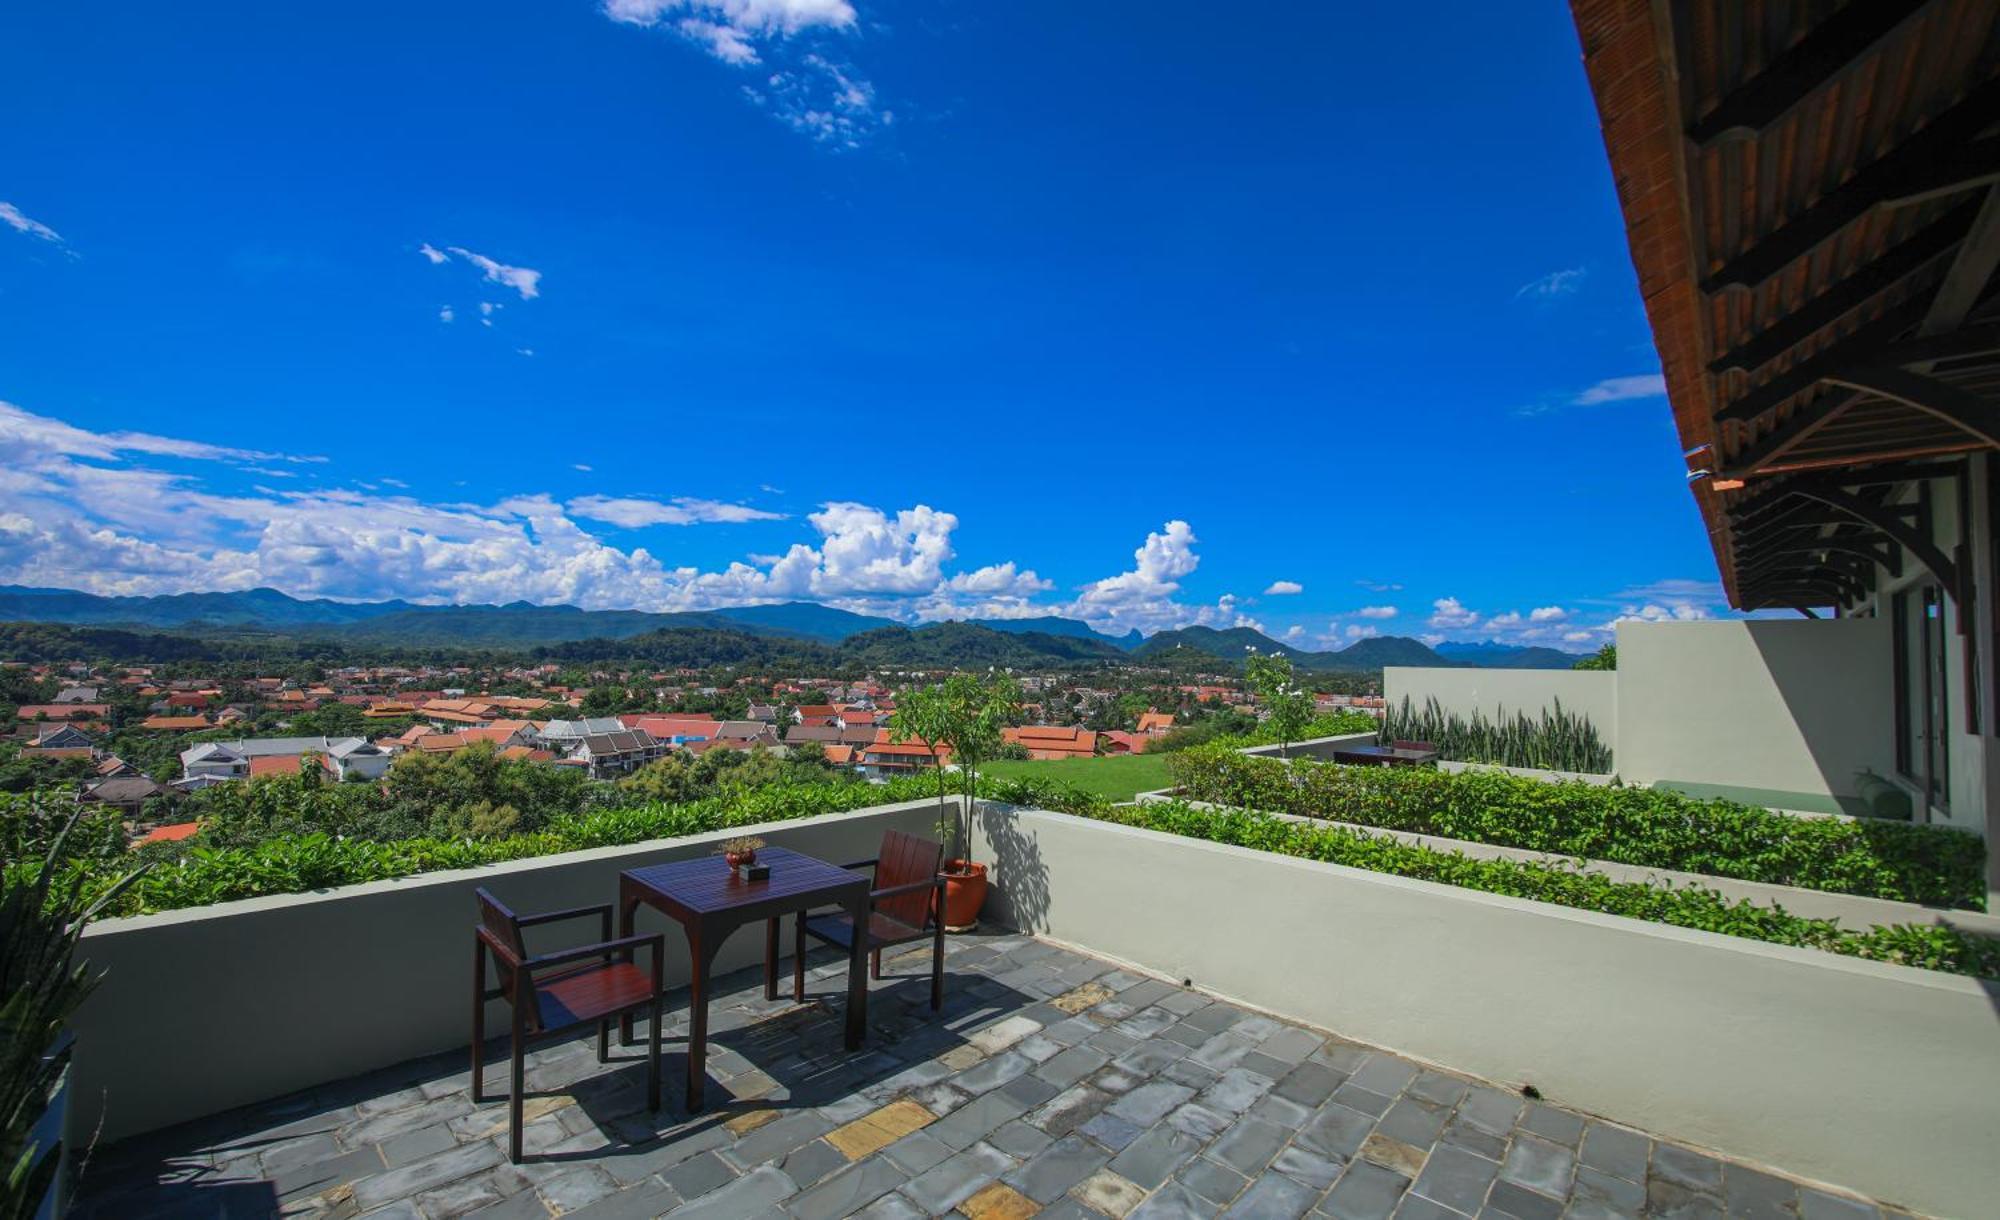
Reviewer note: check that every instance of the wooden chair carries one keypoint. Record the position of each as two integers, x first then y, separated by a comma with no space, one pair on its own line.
908,895
553,992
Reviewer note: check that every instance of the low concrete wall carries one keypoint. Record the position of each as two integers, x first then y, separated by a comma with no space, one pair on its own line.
205,1009
1321,748
1590,693
1880,1078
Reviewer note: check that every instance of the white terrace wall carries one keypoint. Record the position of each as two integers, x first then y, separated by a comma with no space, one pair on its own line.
1590,693
205,1009
1800,705
1875,1077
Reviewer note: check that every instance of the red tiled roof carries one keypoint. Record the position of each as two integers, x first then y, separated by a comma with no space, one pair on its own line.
170,834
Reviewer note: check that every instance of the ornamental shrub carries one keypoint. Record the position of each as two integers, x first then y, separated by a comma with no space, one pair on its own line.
1929,947
1649,827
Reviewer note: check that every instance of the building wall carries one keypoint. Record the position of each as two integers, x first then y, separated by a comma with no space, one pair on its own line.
1875,1077
1592,694
1800,705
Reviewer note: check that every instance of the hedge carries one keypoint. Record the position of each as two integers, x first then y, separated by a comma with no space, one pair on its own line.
293,864
1928,947
1649,827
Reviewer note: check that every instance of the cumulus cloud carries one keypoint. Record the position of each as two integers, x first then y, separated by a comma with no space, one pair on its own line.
524,280
803,85
1280,588
20,223
1362,631
634,512
1620,389
1143,598
1449,614
1376,612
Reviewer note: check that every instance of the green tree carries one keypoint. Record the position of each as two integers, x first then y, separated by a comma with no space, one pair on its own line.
1604,658
921,714
1288,705
966,713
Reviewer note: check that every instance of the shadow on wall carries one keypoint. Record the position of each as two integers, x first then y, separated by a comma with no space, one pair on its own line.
1838,691
1020,894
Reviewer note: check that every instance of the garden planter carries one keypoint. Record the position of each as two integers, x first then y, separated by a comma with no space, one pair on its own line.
964,894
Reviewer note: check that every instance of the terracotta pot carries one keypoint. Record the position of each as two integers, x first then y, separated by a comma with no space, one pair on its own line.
737,859
964,894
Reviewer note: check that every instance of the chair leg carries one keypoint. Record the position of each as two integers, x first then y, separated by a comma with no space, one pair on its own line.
937,966
875,965
604,1040
653,1060
516,1087
478,1018
799,959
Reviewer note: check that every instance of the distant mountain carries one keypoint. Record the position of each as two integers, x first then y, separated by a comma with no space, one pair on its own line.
1050,624
1492,654
807,619
260,607
1231,644
967,646
1379,651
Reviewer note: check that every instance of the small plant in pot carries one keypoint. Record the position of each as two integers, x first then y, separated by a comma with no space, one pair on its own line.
741,852
964,715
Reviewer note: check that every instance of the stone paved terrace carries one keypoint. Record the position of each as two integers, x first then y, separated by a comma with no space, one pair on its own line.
1053,1084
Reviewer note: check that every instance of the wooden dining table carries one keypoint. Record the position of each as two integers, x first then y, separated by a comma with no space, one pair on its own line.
709,901
1383,756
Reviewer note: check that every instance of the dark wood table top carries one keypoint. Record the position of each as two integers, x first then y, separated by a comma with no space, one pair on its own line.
706,885
1385,752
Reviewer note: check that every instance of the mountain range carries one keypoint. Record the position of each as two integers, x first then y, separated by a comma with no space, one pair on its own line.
868,639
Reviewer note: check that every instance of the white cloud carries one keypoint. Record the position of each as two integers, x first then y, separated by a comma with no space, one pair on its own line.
1362,631
743,22
1143,598
636,513
1281,588
26,436
823,101
1295,631
1554,284
1377,612
1621,389
1547,614
524,280
1654,612
1449,614
580,466
27,224
1376,586
447,314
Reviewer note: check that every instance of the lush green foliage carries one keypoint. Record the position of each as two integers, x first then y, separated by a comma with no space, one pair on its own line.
1653,828
966,713
1604,658
1333,724
43,909
295,863
1927,946
1556,740
1288,707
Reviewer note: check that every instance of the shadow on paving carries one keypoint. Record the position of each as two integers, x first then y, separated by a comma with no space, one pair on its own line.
330,1146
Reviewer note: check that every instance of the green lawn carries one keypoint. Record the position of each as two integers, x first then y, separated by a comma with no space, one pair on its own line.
1118,776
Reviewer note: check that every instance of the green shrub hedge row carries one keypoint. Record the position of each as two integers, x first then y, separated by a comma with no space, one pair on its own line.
1649,827
292,864
1928,947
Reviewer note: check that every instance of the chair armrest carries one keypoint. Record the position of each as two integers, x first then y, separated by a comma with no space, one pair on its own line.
562,957
529,921
869,863
910,888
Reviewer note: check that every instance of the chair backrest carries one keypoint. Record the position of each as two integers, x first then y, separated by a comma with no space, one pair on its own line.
1412,745
505,927
906,859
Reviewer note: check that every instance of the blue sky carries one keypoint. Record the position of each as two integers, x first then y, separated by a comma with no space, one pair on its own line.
1142,313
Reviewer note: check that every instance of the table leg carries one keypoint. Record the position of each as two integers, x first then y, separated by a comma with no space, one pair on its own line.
628,909
700,957
771,958
857,973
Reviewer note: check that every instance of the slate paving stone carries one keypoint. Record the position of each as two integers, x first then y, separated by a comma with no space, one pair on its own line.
1685,1167
1508,1199
1539,1165
1273,1196
1457,1178
1049,1174
1152,1158
1212,1180
1615,1150
1117,1093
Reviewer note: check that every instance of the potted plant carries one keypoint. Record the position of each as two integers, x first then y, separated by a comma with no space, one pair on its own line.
741,852
963,714
43,910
